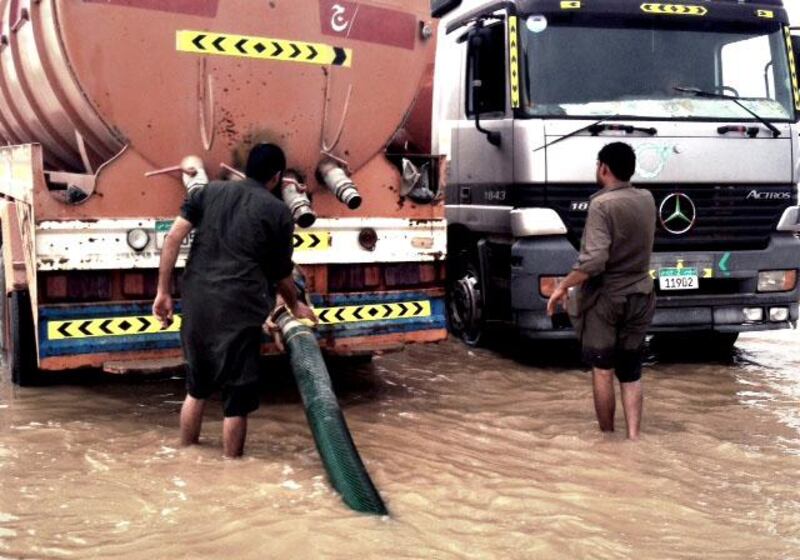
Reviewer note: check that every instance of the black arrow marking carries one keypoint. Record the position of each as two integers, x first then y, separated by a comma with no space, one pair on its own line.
340,56
218,44
84,328
387,309
145,324
323,316
314,52
404,308
104,326
340,314
240,46
315,241
198,42
297,241
63,330
278,49
357,313
419,307
295,51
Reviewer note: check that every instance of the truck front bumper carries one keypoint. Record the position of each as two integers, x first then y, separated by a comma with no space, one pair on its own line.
728,287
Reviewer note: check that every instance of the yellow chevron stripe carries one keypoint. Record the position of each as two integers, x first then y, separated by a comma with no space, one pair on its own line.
312,241
674,9
373,312
263,48
513,53
109,327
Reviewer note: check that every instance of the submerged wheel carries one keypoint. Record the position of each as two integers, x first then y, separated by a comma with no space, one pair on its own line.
21,349
465,305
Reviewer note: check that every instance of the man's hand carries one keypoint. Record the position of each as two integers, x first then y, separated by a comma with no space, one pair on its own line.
302,311
163,308
558,297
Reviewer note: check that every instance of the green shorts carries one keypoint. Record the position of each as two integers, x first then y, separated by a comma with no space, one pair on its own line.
612,330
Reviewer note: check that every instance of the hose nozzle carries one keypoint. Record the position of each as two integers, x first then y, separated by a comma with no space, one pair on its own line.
295,196
194,174
340,184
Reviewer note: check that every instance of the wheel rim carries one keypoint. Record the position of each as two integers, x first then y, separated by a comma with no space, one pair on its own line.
466,307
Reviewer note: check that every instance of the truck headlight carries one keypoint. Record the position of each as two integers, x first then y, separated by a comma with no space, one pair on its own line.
777,280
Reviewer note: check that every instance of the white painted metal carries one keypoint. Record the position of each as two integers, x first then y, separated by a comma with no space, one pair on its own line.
531,222
102,245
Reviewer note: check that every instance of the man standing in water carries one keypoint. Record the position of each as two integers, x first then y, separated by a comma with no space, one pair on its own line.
616,301
242,245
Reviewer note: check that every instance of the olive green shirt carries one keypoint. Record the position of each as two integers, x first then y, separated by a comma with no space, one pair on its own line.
617,242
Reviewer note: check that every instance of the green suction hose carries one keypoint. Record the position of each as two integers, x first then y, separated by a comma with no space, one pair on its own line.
334,443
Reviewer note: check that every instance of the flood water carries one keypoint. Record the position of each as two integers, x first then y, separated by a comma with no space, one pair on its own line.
478,454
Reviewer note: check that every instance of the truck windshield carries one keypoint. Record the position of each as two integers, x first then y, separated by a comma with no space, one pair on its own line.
630,69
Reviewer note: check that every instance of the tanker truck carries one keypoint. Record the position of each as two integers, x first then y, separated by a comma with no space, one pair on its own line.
527,92
101,101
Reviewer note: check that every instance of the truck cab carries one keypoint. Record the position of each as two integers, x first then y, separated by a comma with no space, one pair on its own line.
527,92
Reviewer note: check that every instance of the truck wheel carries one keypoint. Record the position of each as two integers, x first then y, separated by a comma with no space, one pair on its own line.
22,361
465,301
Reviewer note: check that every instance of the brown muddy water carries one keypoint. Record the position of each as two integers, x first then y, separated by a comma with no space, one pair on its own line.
477,454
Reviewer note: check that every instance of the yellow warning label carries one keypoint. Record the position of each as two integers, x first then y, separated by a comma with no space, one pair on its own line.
674,9
118,326
513,52
766,14
570,4
793,68
312,241
375,312
264,48
139,325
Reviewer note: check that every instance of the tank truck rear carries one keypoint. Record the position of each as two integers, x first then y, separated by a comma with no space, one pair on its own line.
101,101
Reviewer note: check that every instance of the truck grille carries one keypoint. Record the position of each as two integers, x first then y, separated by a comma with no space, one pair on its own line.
726,218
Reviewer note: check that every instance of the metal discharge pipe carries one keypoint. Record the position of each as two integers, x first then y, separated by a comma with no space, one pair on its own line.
294,195
335,445
340,184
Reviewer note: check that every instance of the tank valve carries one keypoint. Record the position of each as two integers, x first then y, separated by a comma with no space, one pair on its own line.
342,186
194,173
294,194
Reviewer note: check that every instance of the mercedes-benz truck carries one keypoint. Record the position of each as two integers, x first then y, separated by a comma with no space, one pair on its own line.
526,94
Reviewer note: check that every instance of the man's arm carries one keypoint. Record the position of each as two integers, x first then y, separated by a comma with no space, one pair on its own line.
288,292
163,306
592,259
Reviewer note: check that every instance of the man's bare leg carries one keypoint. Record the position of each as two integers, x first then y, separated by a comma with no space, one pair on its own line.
632,398
234,432
604,400
191,420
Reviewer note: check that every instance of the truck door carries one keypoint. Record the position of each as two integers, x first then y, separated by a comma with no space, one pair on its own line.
485,169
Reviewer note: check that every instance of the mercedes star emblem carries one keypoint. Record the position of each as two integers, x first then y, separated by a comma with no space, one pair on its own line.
677,213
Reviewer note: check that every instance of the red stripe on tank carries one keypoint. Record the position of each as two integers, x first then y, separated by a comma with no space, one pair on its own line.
361,22
206,8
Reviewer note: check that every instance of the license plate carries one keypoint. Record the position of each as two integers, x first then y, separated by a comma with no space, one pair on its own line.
162,229
678,279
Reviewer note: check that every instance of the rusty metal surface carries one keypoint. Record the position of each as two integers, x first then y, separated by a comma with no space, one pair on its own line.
96,76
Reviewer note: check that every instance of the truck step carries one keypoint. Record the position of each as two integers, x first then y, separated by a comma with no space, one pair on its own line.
144,367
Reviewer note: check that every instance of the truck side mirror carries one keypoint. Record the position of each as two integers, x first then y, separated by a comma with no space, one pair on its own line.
476,85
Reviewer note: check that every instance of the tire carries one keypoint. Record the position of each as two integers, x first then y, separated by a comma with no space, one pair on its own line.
21,351
465,300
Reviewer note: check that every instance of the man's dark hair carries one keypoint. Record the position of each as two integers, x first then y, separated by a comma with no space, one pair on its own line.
264,162
620,159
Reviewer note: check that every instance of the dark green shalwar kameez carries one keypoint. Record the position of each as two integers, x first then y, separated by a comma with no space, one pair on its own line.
242,247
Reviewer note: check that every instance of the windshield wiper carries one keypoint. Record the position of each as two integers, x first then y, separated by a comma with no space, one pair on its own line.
597,127
697,92
574,133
